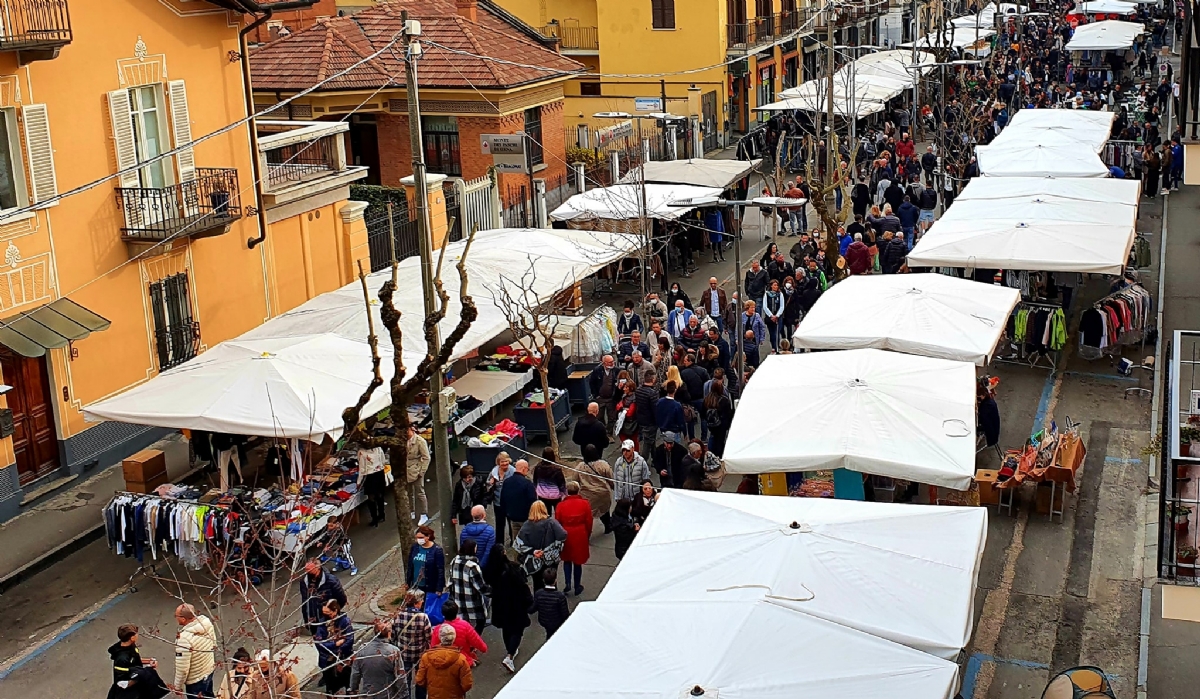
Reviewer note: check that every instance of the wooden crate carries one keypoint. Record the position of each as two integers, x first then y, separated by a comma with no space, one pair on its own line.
144,466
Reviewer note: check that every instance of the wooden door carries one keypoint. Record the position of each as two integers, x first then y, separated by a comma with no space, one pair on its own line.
35,441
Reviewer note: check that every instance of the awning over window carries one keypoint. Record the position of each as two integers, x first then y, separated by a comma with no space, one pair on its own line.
49,327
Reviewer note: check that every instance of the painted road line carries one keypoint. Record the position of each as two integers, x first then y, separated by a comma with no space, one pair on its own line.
1121,460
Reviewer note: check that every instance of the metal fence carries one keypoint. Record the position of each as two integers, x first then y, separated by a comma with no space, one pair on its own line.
297,162
34,24
401,228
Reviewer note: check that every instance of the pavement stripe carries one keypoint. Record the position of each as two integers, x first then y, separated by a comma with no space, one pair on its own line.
17,661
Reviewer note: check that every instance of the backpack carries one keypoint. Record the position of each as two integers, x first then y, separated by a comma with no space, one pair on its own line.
713,417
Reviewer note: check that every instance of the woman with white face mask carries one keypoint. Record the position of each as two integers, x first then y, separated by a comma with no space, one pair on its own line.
427,564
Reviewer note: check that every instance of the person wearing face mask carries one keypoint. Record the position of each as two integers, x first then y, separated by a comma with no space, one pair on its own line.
791,308
656,310
426,564
678,320
678,294
628,322
772,305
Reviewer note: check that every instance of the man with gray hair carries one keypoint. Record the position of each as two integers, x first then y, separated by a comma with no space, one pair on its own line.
194,653
517,497
444,671
378,669
858,256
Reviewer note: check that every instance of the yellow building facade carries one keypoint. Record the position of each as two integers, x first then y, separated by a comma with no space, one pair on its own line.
119,263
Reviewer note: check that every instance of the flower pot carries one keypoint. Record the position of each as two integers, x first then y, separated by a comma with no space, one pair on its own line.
219,202
1181,470
1181,526
1189,561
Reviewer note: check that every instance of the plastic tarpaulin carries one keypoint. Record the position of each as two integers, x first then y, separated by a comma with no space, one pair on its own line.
624,201
1012,225
1109,35
699,172
1112,7
722,650
1036,160
1056,127
932,315
865,410
905,573
860,89
498,258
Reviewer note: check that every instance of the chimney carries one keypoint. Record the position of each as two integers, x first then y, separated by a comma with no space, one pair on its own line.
468,9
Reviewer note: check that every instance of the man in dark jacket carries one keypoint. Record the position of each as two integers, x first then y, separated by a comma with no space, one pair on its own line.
714,338
860,198
316,588
517,496
756,281
802,249
929,165
892,254
125,656
603,384
590,430
668,461
894,195
668,412
908,213
780,269
693,376
645,398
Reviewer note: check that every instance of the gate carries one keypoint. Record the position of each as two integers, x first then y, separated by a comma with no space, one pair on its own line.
476,205
403,229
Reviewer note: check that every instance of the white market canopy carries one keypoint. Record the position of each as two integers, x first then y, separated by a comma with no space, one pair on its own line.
932,315
842,106
180,398
859,89
1109,35
623,202
722,650
1037,160
699,172
1118,7
957,38
1056,128
865,410
905,573
987,16
1046,224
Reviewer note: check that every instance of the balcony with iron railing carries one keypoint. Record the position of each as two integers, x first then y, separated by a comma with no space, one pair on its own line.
35,29
572,39
745,37
303,159
200,207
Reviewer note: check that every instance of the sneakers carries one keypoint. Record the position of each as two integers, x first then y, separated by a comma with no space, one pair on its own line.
353,571
509,664
579,591
424,520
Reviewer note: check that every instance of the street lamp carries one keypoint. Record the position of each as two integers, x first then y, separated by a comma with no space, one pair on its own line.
647,229
775,203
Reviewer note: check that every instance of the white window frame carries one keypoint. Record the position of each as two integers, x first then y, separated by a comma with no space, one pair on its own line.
164,133
17,153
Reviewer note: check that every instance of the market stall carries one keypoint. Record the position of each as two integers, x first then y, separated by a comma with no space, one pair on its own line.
1056,128
905,573
925,314
698,172
864,410
713,648
619,207
1060,159
1108,35
1117,8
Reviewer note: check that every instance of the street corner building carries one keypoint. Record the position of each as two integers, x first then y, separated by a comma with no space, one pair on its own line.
143,216
481,71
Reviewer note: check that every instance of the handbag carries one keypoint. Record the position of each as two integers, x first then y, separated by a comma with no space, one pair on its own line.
551,555
433,606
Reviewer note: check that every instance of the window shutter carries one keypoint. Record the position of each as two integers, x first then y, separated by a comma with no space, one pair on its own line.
181,122
40,152
123,138
668,18
656,14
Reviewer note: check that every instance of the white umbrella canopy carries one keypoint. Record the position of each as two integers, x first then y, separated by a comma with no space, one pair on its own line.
865,410
1108,35
1118,7
905,573
623,202
1047,246
700,172
1081,190
1057,127
932,315
1039,160
722,650
293,387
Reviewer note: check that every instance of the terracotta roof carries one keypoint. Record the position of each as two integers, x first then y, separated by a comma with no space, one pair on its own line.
309,56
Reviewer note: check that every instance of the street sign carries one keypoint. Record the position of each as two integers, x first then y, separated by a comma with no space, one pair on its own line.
507,151
647,104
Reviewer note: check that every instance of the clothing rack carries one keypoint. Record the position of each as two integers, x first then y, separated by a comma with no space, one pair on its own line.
1048,358
1136,305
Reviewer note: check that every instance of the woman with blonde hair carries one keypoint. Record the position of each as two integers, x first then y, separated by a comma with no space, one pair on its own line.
540,543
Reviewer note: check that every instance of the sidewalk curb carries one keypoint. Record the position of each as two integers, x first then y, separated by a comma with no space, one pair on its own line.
54,555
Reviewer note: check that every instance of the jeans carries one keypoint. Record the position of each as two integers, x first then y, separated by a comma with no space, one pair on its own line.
716,441
575,570
203,688
797,221
698,406
647,437
512,640
908,236
773,331
837,199
500,520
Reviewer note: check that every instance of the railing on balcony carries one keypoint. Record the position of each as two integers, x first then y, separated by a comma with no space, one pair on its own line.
194,208
765,29
572,38
34,24
176,344
297,162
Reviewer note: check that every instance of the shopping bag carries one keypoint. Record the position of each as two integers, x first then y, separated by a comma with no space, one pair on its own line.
433,606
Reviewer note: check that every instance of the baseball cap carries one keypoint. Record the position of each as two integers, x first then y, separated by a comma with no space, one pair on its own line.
670,437
627,444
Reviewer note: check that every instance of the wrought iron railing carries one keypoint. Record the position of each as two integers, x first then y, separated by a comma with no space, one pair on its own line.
176,344
31,24
191,208
765,29
297,162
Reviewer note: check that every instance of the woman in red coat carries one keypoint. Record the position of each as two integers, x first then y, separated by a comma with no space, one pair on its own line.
575,515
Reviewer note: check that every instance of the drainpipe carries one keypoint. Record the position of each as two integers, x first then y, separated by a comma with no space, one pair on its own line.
267,11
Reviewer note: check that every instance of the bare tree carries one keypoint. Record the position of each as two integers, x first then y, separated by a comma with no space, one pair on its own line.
403,387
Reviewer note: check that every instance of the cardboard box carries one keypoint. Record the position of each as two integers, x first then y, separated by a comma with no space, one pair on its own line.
1044,491
148,486
989,494
144,466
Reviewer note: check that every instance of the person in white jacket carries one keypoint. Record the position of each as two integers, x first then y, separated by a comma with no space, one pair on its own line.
194,649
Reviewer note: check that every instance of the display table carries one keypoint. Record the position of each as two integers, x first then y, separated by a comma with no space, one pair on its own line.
534,419
314,529
491,388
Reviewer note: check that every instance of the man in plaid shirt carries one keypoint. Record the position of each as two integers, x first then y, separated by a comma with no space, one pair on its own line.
411,633
467,589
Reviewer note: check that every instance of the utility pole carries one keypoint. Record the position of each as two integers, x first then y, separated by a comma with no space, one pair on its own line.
916,33
441,441
830,69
